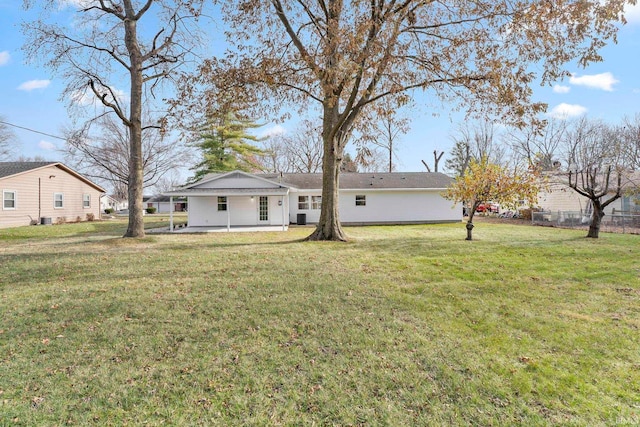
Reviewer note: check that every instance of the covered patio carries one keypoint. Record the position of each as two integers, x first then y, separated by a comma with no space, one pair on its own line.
239,210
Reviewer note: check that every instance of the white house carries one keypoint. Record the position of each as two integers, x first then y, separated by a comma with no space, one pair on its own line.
163,204
110,202
243,199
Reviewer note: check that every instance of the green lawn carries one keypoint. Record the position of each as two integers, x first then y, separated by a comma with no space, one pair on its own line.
402,326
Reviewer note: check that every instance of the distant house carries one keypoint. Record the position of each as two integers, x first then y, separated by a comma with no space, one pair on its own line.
559,198
243,199
163,205
44,193
110,202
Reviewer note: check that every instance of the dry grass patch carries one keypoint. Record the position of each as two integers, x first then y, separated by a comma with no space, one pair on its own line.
402,326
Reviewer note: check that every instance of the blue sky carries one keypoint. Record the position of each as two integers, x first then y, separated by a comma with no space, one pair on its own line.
607,90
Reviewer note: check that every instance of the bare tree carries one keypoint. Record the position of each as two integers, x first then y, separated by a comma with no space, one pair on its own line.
100,150
475,141
596,169
168,182
436,161
372,159
6,139
383,124
629,133
538,146
105,48
299,152
345,55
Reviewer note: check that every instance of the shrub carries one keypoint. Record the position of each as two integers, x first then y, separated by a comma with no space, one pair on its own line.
151,210
91,217
109,211
61,220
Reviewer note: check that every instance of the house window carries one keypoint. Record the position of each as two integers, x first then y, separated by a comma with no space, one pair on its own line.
222,203
361,200
8,199
58,200
316,202
264,208
303,203
86,201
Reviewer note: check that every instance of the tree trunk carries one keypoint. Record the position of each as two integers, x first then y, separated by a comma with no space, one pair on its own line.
594,227
329,227
136,220
470,224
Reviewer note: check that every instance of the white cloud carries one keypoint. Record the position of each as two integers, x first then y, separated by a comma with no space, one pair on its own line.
603,81
80,4
87,97
566,111
46,145
273,131
4,58
561,89
34,84
632,13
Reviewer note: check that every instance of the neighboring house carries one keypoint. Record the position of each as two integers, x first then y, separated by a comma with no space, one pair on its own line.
163,204
110,202
45,192
559,197
243,199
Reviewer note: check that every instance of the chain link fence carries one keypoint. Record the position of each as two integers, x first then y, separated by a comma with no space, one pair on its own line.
616,222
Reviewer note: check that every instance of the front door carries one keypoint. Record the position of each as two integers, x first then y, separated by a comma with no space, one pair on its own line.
263,210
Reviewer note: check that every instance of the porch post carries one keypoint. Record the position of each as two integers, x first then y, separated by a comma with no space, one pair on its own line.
282,203
170,214
228,213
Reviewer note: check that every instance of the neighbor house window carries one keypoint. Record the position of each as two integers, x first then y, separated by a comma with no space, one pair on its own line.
8,199
58,200
316,202
361,200
303,203
86,200
222,203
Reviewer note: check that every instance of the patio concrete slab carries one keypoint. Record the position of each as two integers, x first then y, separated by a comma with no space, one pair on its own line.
236,229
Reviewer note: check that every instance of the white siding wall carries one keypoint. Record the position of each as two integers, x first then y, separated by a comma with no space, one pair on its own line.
385,206
313,215
398,206
203,211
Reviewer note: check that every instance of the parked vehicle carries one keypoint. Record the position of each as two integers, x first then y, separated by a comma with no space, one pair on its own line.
488,207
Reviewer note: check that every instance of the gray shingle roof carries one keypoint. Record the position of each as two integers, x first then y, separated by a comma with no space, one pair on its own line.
362,181
14,168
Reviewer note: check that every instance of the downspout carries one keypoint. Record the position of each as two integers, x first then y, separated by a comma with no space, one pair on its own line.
39,200
170,213
228,214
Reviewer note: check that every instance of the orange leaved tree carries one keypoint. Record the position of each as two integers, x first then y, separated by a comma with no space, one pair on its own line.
483,182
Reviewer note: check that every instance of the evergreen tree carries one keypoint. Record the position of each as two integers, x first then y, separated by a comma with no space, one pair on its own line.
459,158
348,164
226,145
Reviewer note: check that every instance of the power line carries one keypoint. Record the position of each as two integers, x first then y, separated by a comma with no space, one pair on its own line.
33,130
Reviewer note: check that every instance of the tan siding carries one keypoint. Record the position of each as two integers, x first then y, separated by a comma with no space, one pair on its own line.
34,201
561,197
